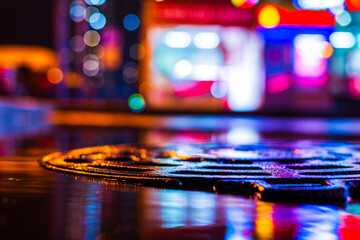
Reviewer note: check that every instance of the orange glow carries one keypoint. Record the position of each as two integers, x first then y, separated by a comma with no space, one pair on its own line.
328,50
55,75
297,151
36,58
74,80
112,57
269,16
264,225
102,119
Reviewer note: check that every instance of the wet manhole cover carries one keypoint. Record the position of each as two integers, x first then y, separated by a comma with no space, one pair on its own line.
271,171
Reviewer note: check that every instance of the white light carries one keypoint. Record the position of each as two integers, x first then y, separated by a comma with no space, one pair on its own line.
182,69
337,10
206,72
342,40
309,55
177,39
319,4
246,77
207,40
310,45
218,89
91,67
242,135
343,19
244,88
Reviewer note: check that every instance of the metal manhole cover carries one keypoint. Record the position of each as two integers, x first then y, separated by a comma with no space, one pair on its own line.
272,171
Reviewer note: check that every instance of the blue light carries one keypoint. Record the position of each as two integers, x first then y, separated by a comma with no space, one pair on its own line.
97,21
131,22
317,222
95,2
77,11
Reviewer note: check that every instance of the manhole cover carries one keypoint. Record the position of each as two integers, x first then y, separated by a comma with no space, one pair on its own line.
273,171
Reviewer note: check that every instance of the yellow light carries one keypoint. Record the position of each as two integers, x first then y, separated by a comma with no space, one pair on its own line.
92,38
55,75
264,225
238,3
269,16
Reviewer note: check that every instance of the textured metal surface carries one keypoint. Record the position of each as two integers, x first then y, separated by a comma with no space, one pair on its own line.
273,171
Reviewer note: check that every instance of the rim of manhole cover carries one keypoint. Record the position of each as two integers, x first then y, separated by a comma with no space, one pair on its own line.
305,171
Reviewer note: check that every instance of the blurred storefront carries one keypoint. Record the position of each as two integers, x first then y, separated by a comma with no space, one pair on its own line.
276,57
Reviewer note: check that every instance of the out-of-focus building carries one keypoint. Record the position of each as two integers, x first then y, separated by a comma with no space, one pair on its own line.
297,56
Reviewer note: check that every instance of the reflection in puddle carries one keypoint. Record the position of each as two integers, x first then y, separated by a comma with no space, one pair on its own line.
93,212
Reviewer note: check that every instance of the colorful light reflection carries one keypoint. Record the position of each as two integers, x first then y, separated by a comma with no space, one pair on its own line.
185,214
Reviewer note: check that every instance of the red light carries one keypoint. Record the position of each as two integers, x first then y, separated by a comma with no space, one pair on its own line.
192,89
349,227
297,17
195,13
352,5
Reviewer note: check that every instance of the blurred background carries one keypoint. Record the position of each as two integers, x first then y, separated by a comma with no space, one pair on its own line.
280,57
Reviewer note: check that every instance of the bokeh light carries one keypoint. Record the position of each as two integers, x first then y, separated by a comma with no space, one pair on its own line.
218,89
352,5
95,2
177,39
77,43
74,80
269,16
182,69
100,51
136,102
337,10
54,75
137,51
328,50
342,40
130,72
343,19
90,11
207,40
244,3
77,11
131,22
91,65
318,4
97,21
92,38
